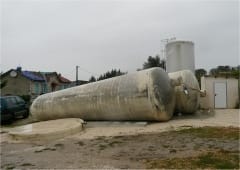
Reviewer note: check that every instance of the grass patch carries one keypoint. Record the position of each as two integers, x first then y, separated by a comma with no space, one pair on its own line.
151,148
196,147
172,151
211,160
119,137
219,160
8,166
100,138
80,143
45,149
102,147
186,126
166,146
27,164
213,132
110,143
49,149
2,132
60,145
113,143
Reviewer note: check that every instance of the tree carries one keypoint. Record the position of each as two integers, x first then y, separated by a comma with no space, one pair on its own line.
92,79
3,84
225,71
154,62
224,68
199,73
110,74
214,72
236,73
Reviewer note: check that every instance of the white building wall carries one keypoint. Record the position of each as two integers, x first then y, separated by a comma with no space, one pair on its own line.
207,83
232,93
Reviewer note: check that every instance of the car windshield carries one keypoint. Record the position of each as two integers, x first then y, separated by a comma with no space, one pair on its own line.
19,100
11,101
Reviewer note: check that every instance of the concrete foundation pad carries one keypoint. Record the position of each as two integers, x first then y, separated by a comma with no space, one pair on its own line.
47,130
91,124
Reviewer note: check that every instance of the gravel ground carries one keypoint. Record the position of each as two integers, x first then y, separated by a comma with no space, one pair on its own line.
122,145
223,117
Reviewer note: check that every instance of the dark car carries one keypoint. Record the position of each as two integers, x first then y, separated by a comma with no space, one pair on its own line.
12,107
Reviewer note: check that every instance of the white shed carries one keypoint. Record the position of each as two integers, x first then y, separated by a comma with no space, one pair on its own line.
221,92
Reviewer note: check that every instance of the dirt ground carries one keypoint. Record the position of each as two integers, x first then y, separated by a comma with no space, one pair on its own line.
173,144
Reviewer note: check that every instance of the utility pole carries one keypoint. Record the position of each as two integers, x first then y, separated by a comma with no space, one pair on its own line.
77,75
164,42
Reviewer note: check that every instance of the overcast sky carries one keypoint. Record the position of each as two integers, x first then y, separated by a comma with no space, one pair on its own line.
98,35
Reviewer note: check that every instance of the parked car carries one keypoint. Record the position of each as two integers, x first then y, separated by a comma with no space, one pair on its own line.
12,107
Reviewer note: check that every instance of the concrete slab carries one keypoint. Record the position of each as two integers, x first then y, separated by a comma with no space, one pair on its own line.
219,117
47,130
91,124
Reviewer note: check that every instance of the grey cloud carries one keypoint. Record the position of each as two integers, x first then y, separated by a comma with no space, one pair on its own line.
100,35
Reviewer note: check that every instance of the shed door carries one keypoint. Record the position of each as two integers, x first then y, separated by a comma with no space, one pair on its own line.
220,95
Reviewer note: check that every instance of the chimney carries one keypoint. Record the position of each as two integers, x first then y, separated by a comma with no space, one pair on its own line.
19,68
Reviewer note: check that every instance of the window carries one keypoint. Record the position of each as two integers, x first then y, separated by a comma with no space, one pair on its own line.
36,88
45,89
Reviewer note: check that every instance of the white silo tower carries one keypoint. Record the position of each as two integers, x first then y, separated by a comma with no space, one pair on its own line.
180,56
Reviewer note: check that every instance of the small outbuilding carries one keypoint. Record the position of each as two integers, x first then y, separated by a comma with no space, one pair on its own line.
221,92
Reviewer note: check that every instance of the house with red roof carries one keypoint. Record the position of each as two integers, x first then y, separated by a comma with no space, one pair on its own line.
32,83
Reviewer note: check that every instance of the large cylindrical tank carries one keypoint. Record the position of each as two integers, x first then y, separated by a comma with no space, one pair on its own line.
180,56
145,95
187,92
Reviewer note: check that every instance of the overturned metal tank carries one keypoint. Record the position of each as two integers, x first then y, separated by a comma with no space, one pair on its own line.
145,95
187,91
